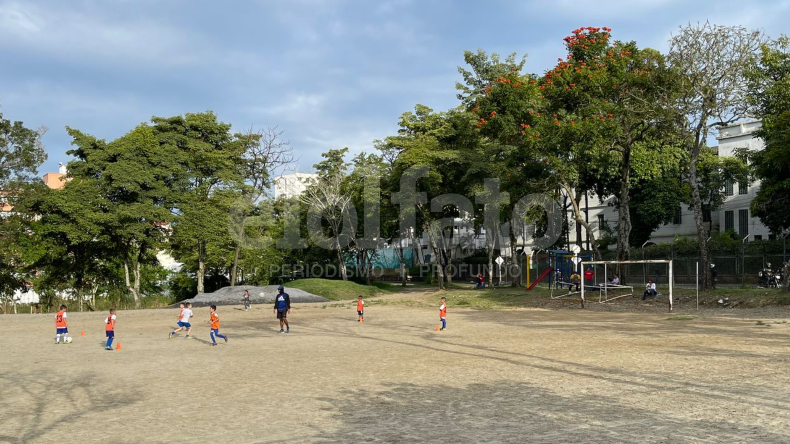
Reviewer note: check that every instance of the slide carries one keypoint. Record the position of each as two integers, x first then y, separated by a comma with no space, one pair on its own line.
540,278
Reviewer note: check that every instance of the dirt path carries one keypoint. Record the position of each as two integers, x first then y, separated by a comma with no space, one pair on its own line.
494,376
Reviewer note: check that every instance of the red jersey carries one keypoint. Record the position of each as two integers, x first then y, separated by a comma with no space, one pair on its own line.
60,319
110,323
360,305
443,311
181,315
588,275
214,321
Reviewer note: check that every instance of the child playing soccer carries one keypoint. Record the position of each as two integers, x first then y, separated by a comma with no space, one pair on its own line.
61,328
109,328
184,322
443,314
361,309
215,326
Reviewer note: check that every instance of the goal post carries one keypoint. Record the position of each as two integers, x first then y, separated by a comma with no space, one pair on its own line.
603,291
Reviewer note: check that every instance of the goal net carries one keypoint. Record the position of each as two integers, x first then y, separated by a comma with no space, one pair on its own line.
601,277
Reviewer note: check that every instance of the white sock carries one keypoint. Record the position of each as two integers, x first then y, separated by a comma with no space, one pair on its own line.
64,336
57,338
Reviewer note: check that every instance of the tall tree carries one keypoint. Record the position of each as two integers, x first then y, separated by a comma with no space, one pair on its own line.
213,162
712,62
138,180
21,152
770,94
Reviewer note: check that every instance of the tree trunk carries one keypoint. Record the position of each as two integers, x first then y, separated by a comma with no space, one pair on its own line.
786,277
133,287
624,216
201,272
702,234
580,219
235,267
490,261
437,257
340,261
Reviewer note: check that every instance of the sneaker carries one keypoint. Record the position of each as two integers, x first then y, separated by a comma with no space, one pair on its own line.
108,348
186,337
281,331
170,336
288,330
443,329
213,344
226,339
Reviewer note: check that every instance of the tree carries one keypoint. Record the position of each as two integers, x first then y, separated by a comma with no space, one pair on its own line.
266,152
21,152
711,62
138,181
328,200
212,161
769,89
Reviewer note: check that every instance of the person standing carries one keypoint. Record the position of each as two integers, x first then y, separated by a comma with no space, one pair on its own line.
109,329
361,309
245,298
282,306
443,314
61,326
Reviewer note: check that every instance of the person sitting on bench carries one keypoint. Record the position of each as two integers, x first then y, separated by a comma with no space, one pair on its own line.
576,280
650,289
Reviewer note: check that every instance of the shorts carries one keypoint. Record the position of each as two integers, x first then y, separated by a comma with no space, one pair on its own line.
281,314
360,313
110,333
180,324
185,324
63,330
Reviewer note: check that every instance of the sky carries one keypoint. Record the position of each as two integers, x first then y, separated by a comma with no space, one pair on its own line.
330,73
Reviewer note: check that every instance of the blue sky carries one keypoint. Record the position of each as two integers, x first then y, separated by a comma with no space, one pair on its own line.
330,73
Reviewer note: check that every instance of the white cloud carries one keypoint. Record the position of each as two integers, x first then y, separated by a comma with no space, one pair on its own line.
61,31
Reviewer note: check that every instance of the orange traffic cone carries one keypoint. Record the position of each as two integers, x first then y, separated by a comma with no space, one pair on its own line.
437,328
82,333
118,347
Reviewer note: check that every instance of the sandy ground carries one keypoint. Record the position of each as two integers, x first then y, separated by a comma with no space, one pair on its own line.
520,376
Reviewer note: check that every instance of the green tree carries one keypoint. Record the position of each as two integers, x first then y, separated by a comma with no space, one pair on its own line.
770,94
712,62
213,169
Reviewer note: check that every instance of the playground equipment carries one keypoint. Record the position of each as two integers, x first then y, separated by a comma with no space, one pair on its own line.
603,289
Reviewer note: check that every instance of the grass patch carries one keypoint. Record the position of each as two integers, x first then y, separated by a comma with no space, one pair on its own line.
335,290
681,318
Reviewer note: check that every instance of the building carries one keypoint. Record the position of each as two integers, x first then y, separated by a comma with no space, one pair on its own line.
733,215
292,185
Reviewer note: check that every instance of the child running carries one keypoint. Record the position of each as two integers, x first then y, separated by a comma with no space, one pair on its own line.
61,327
215,326
443,314
184,322
109,328
361,309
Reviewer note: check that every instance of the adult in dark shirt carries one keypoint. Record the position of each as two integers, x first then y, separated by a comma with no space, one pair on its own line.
282,306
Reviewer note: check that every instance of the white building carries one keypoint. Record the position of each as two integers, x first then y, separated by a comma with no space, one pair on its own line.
292,185
734,214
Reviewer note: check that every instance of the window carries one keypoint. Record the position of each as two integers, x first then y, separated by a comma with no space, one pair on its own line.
678,217
758,237
743,222
728,188
706,216
743,188
601,221
729,221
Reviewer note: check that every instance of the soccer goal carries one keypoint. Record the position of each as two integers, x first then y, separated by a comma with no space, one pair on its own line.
608,290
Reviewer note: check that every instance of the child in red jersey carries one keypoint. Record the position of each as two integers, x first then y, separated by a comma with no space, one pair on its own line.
443,314
61,327
109,328
214,320
361,309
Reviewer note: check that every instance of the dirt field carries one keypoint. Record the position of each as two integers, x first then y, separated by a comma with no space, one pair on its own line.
521,376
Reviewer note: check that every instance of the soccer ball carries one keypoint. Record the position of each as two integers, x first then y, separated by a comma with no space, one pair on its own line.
68,340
